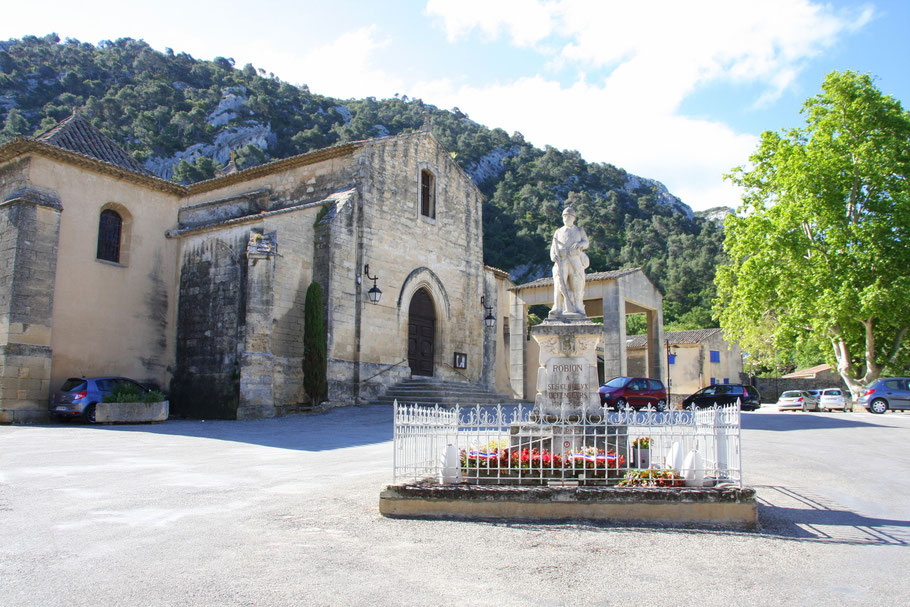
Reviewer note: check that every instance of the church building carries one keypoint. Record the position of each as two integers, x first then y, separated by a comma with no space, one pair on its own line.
200,289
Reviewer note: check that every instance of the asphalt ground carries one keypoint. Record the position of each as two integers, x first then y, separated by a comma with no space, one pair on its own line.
285,512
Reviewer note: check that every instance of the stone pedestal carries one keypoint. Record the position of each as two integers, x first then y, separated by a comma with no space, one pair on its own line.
567,386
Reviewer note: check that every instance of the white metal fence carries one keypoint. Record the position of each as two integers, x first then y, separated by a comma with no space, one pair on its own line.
507,444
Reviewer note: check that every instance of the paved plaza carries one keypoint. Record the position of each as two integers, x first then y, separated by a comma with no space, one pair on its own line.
285,512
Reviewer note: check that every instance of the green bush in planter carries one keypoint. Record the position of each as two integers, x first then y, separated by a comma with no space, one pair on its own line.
129,393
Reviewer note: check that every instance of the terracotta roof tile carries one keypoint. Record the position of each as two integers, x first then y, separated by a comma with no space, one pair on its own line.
78,135
676,338
548,280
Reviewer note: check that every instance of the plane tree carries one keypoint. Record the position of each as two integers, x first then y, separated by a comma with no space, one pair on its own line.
819,251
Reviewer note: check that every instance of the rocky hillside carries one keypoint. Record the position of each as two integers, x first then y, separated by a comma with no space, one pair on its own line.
183,118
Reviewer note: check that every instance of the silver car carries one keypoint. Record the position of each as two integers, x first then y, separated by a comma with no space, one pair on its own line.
889,393
833,398
796,400
79,395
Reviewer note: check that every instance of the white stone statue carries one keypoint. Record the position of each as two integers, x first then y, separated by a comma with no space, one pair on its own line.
569,264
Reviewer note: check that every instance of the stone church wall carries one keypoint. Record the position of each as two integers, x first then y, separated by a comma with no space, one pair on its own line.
108,318
268,300
111,318
210,326
408,251
29,232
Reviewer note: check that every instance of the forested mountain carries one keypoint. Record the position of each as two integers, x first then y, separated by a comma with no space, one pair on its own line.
183,118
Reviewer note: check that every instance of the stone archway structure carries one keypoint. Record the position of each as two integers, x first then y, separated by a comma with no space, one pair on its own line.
612,295
423,298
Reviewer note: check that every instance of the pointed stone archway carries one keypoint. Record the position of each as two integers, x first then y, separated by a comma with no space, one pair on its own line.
421,333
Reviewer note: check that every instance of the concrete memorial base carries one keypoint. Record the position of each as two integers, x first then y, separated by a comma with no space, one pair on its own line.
731,507
131,413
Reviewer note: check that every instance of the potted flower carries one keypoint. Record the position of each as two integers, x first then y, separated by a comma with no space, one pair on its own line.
641,452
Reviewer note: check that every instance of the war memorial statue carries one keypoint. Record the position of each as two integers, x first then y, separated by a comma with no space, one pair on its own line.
569,264
567,385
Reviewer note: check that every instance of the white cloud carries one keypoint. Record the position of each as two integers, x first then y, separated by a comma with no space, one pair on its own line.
525,21
650,57
688,155
344,68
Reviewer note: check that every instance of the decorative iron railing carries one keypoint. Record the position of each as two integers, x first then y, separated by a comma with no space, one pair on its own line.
509,444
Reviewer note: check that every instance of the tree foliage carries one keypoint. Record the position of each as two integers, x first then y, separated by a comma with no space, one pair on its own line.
819,251
315,361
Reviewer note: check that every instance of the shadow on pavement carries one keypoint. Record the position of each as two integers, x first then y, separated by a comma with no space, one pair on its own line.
802,421
784,514
790,514
333,429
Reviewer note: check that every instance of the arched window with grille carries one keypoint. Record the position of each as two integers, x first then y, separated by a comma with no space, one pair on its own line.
110,227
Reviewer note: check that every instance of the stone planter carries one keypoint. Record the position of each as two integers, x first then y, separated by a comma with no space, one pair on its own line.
131,413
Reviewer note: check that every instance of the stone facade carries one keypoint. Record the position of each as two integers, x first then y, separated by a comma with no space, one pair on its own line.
207,297
29,232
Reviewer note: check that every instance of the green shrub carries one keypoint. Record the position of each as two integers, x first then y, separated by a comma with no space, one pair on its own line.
130,393
315,364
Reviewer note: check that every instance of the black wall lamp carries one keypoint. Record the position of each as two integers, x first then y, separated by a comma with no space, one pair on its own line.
489,320
374,293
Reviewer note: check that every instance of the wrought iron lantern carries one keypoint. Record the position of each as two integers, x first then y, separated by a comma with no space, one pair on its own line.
374,293
489,320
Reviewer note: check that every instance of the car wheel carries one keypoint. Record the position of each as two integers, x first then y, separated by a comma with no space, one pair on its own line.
89,414
661,405
879,405
620,404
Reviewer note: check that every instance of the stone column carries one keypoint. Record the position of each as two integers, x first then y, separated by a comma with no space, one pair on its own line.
518,320
614,330
657,357
257,361
29,233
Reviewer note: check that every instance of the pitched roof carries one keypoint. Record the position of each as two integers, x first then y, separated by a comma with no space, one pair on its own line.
676,338
547,281
78,135
810,373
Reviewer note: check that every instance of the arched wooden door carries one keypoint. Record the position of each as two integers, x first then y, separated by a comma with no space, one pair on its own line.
421,333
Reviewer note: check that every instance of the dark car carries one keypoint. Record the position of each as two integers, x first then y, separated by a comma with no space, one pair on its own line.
637,392
79,395
725,394
888,393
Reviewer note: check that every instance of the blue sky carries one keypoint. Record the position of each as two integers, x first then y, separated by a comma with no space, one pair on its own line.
672,90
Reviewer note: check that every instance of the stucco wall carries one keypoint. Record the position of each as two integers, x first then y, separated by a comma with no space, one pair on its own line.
111,319
693,368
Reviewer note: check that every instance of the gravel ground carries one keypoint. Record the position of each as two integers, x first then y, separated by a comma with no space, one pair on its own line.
285,512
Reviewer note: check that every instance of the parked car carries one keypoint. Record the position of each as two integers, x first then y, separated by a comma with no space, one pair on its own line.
79,395
796,400
816,394
725,394
889,393
833,398
637,392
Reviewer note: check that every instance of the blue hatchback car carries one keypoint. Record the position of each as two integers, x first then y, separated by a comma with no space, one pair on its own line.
79,395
